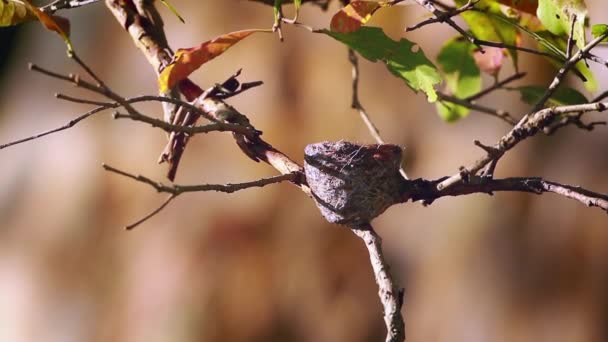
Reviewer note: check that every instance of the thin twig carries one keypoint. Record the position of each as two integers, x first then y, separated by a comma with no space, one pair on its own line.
152,213
176,190
180,189
496,86
470,4
499,113
429,6
356,104
391,296
64,97
571,41
70,124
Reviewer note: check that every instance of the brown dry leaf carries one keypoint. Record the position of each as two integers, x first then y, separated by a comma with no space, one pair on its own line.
353,16
188,60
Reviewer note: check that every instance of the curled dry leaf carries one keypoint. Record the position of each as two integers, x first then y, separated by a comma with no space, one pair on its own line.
354,15
188,60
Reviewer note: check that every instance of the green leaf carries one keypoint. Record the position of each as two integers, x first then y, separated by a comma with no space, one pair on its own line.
403,58
599,30
557,15
562,97
451,112
489,23
277,11
463,77
462,74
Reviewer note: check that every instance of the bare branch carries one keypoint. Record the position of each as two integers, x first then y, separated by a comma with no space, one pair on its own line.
495,86
389,292
227,188
176,190
152,213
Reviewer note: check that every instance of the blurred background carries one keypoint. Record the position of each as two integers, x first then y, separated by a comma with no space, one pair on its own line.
261,264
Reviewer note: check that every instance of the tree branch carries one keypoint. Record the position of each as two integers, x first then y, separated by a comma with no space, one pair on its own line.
391,296
427,191
534,121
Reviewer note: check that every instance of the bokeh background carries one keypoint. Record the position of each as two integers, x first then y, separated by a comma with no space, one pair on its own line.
261,264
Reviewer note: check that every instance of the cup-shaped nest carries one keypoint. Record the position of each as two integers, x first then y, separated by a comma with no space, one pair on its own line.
351,183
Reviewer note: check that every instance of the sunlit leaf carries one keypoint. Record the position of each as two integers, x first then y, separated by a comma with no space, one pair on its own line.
562,97
173,10
451,112
403,58
354,15
599,30
462,75
188,60
14,12
557,16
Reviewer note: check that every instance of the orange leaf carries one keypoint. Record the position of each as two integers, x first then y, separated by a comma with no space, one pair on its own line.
353,16
528,6
52,23
188,60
